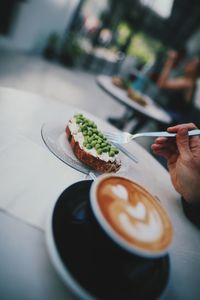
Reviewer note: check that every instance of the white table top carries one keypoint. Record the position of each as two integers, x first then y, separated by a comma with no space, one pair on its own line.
151,110
32,178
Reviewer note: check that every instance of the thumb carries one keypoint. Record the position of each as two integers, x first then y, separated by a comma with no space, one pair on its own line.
182,141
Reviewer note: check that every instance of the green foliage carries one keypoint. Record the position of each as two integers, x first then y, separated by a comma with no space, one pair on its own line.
71,46
53,39
144,47
123,33
141,46
50,50
71,50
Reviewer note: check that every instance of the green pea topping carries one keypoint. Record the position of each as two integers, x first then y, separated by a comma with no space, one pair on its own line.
97,146
89,146
103,144
116,151
99,141
101,135
99,151
93,138
108,147
105,149
111,153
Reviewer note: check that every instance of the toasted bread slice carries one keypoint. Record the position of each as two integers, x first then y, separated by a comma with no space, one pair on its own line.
119,82
136,97
87,158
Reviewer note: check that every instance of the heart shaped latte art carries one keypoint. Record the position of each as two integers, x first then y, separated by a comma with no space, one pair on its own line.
134,218
120,191
138,211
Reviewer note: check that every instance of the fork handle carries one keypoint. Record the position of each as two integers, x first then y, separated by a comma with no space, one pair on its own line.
168,134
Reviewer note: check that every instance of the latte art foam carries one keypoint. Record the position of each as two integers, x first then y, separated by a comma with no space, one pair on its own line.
133,214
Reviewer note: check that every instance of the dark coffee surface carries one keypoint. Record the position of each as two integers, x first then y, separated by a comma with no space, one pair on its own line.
102,269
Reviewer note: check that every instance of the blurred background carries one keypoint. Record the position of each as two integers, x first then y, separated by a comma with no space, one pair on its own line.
57,47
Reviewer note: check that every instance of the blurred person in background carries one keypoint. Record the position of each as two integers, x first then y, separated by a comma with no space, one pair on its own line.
105,37
183,161
180,89
159,62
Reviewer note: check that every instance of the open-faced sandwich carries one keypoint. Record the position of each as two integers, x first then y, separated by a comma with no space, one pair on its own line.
120,82
90,146
137,97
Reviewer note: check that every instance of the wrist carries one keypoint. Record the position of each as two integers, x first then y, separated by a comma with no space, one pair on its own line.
189,184
170,61
192,198
192,211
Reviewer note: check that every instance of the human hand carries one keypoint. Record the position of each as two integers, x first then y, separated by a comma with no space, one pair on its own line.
183,160
172,55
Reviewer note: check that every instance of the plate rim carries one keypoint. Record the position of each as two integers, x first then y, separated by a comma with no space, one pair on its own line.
79,166
83,169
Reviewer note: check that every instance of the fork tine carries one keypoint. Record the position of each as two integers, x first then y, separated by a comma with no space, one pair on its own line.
111,136
119,137
111,139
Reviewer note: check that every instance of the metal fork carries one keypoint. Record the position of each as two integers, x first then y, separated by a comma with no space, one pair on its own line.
125,137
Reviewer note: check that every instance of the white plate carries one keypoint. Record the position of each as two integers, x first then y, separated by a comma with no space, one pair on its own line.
151,110
55,139
54,136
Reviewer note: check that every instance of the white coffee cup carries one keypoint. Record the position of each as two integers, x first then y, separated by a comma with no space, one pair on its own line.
130,216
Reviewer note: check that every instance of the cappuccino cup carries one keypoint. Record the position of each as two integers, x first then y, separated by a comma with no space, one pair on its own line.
130,217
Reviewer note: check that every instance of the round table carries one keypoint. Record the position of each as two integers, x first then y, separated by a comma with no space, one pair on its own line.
32,178
151,111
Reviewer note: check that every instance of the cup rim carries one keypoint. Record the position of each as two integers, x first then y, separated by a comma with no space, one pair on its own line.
115,237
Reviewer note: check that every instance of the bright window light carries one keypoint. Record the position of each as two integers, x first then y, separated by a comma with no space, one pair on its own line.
161,7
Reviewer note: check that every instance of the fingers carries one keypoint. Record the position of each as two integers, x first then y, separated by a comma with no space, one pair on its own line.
172,54
164,147
167,147
162,153
189,126
168,143
182,140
